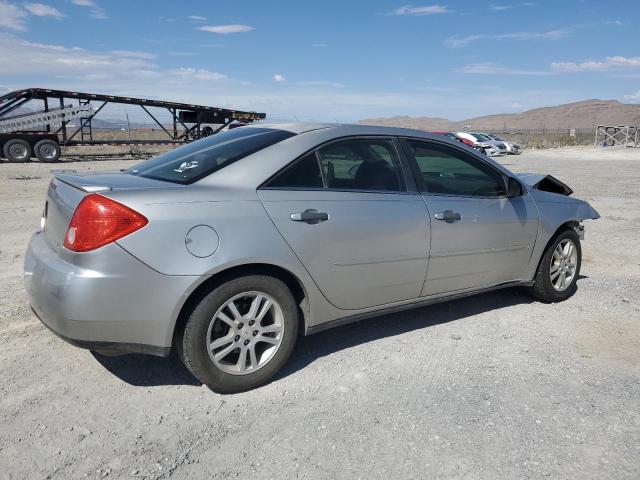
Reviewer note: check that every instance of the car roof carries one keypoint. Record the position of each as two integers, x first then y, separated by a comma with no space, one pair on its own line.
346,129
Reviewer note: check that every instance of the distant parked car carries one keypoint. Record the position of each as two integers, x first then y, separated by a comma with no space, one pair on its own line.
470,143
491,147
229,247
512,148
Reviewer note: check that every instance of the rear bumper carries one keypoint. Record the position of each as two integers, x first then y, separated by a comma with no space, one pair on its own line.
106,300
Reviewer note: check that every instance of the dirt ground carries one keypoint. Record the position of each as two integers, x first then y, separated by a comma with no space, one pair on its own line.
489,387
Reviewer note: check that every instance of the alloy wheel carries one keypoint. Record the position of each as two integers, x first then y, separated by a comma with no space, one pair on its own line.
564,263
245,333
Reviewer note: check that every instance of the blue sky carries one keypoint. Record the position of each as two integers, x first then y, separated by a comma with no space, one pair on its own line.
329,60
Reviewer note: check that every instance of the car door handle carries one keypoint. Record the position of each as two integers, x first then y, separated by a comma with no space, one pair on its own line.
310,216
448,216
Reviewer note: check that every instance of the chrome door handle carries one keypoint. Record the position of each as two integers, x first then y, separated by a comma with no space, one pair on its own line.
310,216
448,216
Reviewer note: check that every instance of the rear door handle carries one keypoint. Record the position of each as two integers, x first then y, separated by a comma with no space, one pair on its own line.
448,216
310,216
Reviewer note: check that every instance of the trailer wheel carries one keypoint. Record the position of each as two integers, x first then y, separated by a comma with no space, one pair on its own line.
47,151
17,150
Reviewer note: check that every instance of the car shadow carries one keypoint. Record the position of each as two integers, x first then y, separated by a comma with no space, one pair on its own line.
331,341
146,370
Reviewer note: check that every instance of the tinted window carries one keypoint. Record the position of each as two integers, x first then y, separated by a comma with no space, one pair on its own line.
444,170
305,173
370,164
190,163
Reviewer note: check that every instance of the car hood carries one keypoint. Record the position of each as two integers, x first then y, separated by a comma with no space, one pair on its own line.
545,183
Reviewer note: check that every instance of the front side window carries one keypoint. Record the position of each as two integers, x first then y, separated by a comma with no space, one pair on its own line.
444,170
192,162
359,164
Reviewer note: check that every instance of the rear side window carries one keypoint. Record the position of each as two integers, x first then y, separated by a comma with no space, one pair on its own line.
192,162
359,164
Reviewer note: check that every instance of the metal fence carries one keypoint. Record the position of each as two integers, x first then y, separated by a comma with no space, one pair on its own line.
547,137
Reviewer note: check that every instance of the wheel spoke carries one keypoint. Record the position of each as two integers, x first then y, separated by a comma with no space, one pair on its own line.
555,274
221,342
252,356
255,305
242,360
223,353
226,320
271,340
271,329
563,276
263,311
234,311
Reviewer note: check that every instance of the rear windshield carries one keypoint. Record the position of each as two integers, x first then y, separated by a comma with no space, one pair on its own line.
192,162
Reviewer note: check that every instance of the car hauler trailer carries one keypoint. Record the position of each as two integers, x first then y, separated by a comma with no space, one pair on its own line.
41,133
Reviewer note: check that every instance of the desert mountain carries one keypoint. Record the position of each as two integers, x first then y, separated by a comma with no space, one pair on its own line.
582,115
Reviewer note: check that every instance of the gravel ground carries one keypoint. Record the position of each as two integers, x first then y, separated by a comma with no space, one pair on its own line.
493,386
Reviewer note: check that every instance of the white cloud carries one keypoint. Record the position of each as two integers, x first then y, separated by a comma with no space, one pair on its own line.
633,96
320,83
42,10
279,78
226,29
196,74
501,8
427,10
197,18
134,54
609,63
456,41
12,17
95,11
182,54
495,69
54,62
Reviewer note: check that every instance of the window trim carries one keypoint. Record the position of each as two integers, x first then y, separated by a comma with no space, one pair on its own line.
405,169
420,184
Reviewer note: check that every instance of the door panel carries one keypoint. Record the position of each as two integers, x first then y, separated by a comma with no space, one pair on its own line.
479,236
491,243
371,250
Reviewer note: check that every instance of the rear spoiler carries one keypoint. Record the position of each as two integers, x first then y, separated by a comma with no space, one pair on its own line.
71,177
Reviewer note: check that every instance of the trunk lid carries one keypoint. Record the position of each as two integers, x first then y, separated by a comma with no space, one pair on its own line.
68,188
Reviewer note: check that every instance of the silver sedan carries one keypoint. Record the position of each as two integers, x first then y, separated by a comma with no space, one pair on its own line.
229,248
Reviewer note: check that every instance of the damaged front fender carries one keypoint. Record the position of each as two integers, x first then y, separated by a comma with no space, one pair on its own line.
545,183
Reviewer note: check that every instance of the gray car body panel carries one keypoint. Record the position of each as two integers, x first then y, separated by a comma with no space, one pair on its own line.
350,267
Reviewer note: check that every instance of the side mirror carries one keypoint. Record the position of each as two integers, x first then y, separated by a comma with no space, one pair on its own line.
514,189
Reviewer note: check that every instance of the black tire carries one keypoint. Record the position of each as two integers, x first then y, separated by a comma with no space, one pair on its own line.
192,345
543,289
17,150
47,151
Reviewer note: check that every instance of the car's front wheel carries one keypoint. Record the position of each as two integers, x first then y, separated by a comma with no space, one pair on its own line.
240,334
559,268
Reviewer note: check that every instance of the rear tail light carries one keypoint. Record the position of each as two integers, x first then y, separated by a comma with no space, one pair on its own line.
99,221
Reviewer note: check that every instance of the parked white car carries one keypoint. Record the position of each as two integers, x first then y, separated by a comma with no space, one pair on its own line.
489,146
512,148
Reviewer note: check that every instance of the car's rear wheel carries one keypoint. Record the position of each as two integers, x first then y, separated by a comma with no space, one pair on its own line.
240,334
559,268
